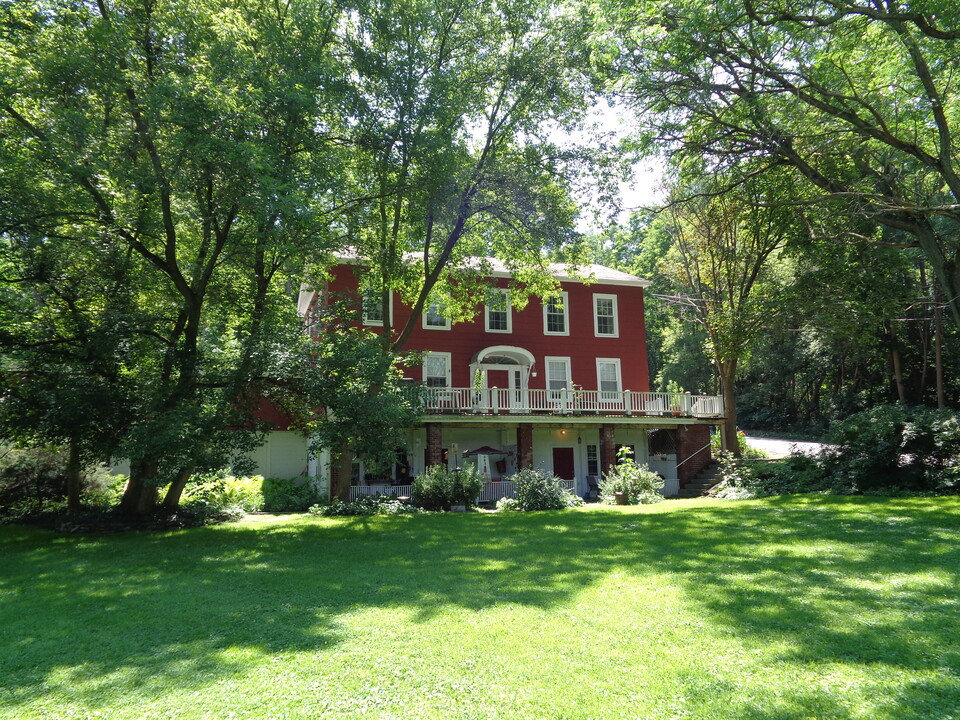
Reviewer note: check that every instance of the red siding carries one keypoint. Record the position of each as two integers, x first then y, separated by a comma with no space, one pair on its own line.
582,346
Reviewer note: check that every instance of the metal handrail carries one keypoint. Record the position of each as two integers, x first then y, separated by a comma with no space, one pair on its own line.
694,455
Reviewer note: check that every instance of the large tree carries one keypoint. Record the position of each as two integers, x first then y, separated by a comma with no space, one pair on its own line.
858,97
456,104
181,149
722,260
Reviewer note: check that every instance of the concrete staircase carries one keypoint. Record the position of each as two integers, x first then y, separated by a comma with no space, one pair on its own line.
703,481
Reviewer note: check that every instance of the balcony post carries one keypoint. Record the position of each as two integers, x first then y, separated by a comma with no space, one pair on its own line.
628,402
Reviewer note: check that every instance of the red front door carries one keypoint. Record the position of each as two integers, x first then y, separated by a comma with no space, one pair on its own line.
563,463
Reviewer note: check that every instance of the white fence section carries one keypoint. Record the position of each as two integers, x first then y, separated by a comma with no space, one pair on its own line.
496,401
492,491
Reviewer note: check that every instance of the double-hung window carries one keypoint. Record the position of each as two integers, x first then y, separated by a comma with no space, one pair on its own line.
497,312
436,370
372,301
435,317
605,316
608,378
558,378
556,315
593,461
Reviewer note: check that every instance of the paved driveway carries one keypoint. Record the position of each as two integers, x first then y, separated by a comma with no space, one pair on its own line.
781,448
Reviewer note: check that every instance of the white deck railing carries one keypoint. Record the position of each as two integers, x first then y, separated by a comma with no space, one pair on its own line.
492,491
393,490
496,401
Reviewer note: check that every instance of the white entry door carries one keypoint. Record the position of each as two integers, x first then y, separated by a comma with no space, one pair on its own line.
507,385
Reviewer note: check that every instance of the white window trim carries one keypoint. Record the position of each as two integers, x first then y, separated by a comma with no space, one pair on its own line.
596,317
434,327
486,313
363,311
616,363
566,314
449,363
546,366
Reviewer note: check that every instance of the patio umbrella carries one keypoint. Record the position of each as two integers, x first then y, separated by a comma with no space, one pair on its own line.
485,450
483,459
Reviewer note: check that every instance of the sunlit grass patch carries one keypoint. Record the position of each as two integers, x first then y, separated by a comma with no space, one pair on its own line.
779,608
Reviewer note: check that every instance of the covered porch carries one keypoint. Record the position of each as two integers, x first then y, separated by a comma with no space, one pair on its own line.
578,450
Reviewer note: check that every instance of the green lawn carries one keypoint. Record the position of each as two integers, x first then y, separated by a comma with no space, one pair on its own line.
810,607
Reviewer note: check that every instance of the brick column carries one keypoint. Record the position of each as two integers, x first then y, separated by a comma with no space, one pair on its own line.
690,439
525,445
608,448
434,444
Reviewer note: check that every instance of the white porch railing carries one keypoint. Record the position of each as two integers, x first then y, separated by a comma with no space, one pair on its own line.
492,491
496,401
393,490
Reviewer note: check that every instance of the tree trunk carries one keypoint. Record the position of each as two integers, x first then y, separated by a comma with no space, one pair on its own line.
340,480
728,374
140,495
938,351
171,501
74,476
897,363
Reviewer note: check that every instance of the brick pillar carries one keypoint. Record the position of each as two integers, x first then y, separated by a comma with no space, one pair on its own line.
690,440
608,448
434,444
525,445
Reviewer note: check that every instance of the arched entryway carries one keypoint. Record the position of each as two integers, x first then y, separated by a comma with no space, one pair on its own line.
505,368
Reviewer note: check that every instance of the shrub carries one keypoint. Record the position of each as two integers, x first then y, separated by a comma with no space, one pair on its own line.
747,478
507,504
365,505
290,494
895,447
640,484
222,492
33,480
437,488
540,490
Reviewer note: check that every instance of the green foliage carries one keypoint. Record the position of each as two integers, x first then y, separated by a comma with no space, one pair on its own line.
539,490
365,505
448,107
226,492
893,446
164,175
831,91
34,480
437,488
889,449
507,504
746,478
252,494
640,484
290,494
368,403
